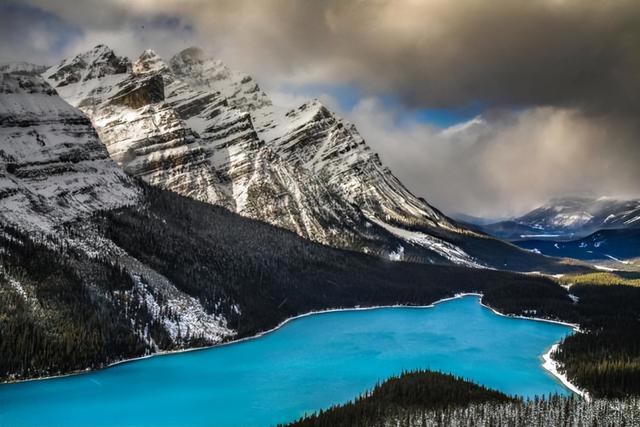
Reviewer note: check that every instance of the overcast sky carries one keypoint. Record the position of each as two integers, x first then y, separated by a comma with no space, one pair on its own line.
483,107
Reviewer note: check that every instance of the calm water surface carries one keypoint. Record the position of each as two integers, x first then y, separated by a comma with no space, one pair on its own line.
309,364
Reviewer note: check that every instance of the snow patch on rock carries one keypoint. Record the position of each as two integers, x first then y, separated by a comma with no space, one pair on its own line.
441,247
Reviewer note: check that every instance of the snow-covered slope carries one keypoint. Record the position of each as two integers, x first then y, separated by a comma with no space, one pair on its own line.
585,213
21,67
53,168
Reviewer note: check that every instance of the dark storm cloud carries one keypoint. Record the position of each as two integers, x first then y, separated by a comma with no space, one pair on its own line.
432,53
566,71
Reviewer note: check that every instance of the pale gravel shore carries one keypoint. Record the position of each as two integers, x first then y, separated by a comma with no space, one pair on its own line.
549,364
552,366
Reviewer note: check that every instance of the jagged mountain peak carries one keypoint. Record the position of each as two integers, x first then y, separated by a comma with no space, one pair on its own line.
194,126
94,63
148,53
311,108
100,53
313,111
190,62
101,49
149,62
205,73
211,133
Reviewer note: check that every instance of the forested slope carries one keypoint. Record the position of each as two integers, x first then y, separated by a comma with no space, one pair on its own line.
270,274
605,357
431,399
397,397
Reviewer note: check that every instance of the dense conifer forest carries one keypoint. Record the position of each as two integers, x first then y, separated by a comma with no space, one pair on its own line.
50,322
606,359
411,391
424,398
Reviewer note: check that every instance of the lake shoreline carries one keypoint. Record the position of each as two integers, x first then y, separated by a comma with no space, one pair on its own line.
552,366
549,365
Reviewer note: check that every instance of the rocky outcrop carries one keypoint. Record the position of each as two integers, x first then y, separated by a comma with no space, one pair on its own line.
53,167
140,92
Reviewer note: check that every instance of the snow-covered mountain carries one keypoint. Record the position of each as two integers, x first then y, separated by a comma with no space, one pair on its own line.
581,213
570,217
193,126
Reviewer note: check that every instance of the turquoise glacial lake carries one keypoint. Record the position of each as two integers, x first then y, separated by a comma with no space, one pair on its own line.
310,363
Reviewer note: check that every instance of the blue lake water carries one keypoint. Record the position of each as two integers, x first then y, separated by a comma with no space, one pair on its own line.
310,363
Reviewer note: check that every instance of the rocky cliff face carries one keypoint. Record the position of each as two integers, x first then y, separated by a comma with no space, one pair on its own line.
193,126
316,140
187,126
53,167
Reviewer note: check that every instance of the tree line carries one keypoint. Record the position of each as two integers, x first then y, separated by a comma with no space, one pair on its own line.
424,398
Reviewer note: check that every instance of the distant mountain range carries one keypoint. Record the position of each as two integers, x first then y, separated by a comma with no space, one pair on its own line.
566,219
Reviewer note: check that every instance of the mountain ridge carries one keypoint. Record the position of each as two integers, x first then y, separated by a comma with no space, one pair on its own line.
569,218
194,126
